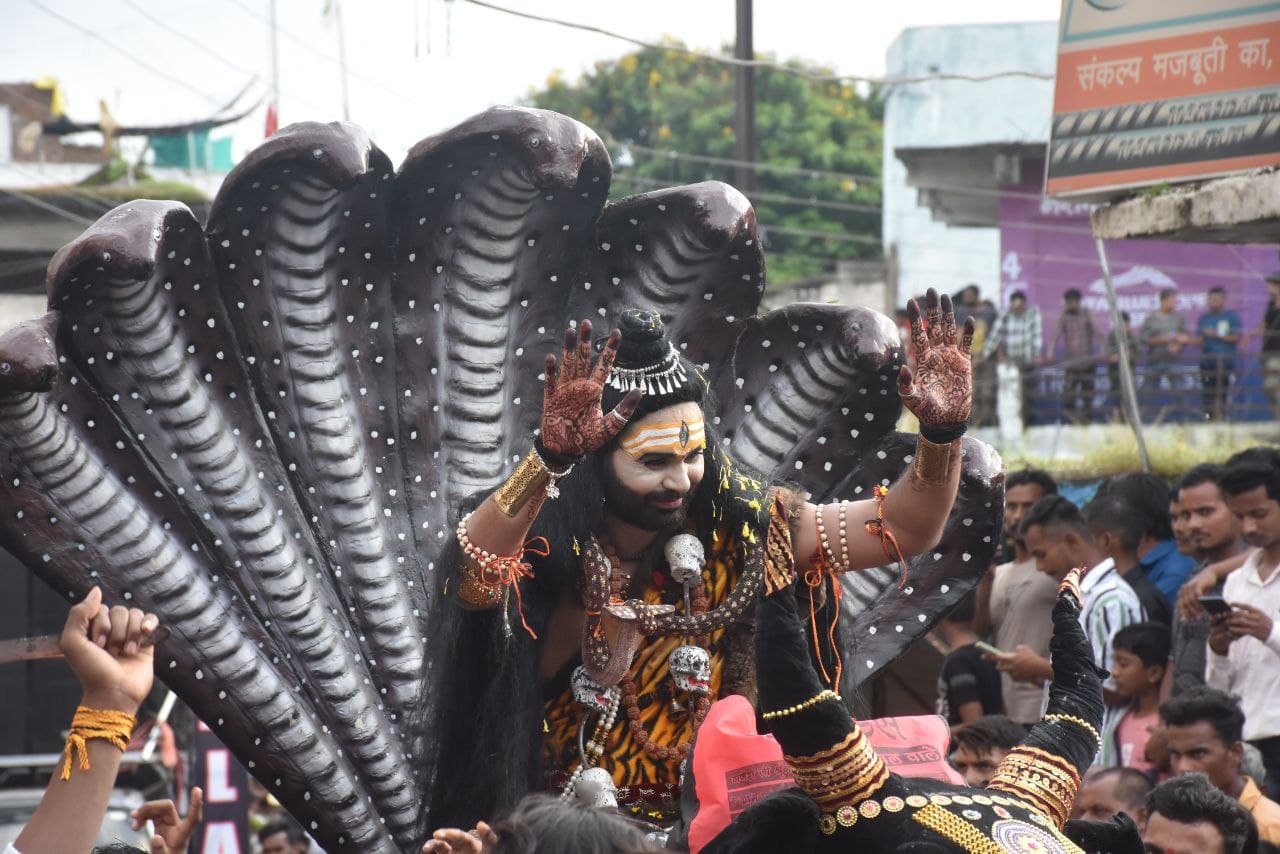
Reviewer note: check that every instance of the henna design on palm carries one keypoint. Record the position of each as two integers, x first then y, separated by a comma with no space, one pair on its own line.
574,423
940,392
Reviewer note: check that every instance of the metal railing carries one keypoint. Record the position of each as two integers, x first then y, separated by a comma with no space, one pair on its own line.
1190,390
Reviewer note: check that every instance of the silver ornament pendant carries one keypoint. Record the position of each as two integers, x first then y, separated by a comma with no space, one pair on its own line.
690,668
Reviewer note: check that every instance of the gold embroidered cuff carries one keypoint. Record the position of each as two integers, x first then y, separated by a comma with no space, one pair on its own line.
933,462
847,773
1043,779
530,478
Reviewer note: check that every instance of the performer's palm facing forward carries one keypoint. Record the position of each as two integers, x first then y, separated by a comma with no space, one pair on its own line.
941,391
573,422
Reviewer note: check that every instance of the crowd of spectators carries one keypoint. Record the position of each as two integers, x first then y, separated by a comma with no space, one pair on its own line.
1181,603
1184,367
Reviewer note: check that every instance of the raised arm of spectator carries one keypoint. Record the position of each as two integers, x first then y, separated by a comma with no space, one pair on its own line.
104,648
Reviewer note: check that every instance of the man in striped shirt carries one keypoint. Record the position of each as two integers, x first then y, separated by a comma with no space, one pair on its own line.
1058,538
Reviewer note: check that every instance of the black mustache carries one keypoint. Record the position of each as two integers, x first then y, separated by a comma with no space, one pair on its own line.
668,496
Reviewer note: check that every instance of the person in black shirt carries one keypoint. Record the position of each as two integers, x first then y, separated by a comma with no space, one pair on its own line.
1269,356
968,687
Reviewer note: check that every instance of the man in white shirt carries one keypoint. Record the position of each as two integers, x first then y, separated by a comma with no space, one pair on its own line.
1244,645
1058,539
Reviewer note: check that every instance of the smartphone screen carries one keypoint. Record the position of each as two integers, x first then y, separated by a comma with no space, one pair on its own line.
1215,605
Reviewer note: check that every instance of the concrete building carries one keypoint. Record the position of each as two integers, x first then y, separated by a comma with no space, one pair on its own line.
949,145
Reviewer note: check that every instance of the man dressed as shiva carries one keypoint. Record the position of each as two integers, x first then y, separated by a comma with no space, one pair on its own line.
608,587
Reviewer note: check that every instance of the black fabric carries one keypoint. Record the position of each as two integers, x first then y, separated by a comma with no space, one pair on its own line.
784,681
966,678
784,821
1271,328
1118,836
1153,601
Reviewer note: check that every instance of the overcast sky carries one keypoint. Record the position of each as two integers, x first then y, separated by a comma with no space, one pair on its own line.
415,67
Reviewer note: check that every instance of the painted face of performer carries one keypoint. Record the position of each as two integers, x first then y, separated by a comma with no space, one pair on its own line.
655,466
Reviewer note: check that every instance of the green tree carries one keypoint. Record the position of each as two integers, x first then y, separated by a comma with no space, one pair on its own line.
669,101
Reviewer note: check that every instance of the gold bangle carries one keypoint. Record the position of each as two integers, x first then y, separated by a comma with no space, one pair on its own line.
933,462
530,478
473,590
800,707
1080,722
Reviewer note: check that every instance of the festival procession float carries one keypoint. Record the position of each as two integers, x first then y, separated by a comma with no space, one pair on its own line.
321,438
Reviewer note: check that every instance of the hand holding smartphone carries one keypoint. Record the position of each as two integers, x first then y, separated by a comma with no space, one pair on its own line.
1214,605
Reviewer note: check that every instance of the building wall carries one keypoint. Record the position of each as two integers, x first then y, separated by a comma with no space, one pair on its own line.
958,113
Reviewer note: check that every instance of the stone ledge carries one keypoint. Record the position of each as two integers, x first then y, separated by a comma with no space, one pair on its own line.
1237,209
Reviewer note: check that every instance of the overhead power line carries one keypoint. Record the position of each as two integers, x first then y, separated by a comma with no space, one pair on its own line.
98,37
307,46
217,55
761,63
48,206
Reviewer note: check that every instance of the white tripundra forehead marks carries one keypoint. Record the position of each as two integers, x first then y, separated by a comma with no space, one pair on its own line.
672,437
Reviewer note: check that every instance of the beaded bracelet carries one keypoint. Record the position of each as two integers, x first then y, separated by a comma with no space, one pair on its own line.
844,536
821,696
1080,722
823,542
498,571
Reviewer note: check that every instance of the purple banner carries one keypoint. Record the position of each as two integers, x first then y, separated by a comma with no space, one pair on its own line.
1047,248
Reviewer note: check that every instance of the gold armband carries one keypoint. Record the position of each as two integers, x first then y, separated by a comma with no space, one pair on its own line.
933,462
531,478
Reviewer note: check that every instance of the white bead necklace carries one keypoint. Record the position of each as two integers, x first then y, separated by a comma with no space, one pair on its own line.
595,747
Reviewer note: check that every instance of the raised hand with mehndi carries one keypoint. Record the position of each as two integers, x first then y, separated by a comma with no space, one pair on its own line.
940,393
573,422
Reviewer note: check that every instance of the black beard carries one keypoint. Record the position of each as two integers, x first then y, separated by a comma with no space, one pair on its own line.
635,509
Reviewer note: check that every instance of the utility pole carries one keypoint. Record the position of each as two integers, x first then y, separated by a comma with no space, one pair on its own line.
1129,394
744,98
273,40
342,59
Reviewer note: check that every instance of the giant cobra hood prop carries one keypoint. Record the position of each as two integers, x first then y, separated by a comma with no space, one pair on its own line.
260,429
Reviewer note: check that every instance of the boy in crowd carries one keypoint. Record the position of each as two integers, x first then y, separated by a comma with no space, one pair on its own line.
1187,815
1014,600
978,748
1140,656
1203,730
968,685
1244,644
